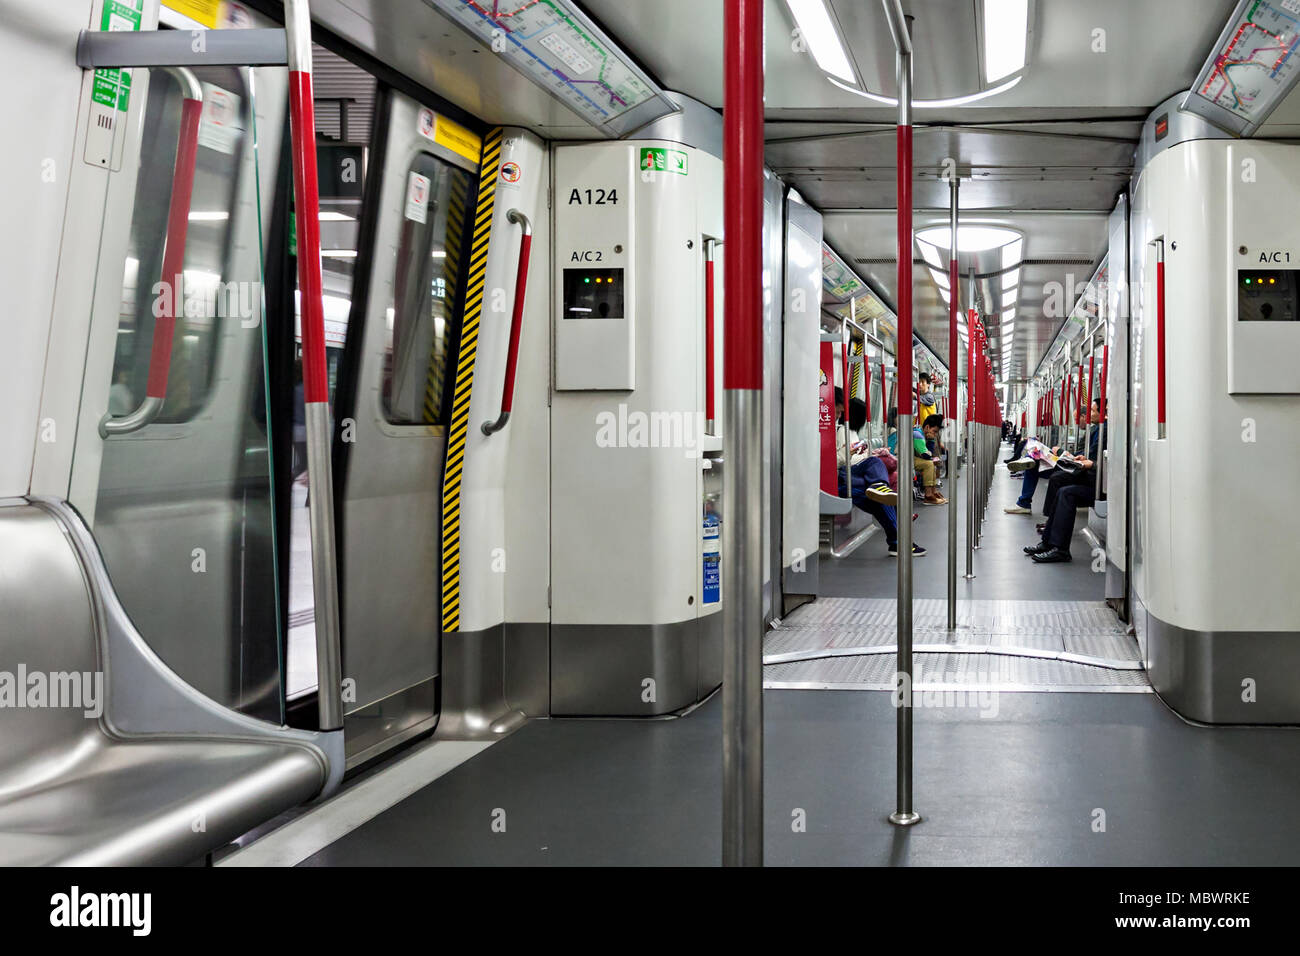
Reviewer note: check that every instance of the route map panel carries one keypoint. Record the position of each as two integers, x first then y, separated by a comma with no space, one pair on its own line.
563,52
1254,65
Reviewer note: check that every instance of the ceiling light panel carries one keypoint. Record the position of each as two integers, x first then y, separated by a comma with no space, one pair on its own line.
818,31
1006,25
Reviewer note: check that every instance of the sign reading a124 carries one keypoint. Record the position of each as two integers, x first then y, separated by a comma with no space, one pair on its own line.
654,159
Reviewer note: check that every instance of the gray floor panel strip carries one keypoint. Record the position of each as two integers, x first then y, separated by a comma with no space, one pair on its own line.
839,643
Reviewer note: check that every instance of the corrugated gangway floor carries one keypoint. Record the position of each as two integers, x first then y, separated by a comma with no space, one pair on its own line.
1007,646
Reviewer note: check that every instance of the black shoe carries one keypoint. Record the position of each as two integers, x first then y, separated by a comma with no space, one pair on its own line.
1040,528
1052,556
917,550
1039,548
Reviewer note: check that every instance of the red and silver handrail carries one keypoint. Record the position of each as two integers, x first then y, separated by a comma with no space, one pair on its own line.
1160,338
173,264
710,386
306,190
516,321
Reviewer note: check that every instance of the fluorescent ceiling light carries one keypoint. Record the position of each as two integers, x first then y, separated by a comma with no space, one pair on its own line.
1008,314
1011,253
1010,279
329,216
930,254
1009,298
946,296
338,253
200,216
930,104
940,279
969,238
1008,329
1006,24
818,31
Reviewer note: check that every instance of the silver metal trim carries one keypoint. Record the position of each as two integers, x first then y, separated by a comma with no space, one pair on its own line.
104,49
743,628
297,28
144,413
324,566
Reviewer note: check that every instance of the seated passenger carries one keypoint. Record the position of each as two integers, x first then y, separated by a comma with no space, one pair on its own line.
1073,485
870,476
1037,459
924,462
892,439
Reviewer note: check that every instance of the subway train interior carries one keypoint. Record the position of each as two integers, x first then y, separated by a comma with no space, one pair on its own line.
461,432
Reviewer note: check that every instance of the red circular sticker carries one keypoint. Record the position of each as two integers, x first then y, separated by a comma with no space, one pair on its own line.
510,172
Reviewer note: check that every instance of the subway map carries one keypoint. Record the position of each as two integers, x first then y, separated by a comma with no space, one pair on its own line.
560,51
1257,63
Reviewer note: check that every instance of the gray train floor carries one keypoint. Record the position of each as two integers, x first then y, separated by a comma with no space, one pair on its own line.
1042,778
1027,786
1002,570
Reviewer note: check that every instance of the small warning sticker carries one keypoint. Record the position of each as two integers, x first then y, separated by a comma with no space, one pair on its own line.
417,198
110,93
427,124
221,125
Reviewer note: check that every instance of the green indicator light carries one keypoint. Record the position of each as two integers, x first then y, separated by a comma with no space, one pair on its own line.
588,280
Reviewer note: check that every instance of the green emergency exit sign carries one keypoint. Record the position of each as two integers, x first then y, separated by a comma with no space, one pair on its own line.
664,160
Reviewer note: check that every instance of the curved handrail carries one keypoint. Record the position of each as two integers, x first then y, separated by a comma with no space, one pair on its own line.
516,321
173,267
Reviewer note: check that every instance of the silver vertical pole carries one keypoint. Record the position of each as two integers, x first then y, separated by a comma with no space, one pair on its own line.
746,515
904,814
952,407
324,560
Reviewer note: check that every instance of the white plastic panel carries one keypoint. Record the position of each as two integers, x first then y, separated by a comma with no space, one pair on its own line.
1263,356
594,223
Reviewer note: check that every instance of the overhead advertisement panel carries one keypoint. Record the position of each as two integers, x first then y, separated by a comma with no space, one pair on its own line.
561,50
1252,68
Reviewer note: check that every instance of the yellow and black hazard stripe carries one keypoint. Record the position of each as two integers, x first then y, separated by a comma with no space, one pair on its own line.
489,160
855,371
457,193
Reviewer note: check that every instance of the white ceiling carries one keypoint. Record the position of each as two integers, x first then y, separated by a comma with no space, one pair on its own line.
1049,156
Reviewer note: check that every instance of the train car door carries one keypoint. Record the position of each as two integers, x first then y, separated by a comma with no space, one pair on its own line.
391,417
171,467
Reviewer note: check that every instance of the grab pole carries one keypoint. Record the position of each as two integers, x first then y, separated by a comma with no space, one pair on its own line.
324,560
742,531
904,814
955,430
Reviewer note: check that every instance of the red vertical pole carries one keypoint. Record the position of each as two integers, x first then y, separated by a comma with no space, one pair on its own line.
1160,338
742,531
709,358
1105,362
302,127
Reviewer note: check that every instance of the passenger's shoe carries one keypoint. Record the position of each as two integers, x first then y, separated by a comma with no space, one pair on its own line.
936,500
1037,548
883,493
1017,510
1040,528
917,550
1022,464
1052,556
